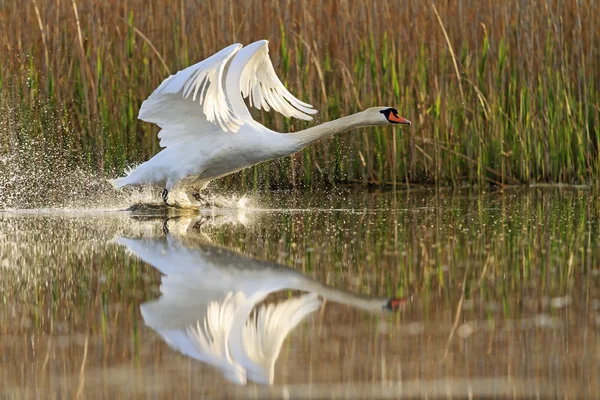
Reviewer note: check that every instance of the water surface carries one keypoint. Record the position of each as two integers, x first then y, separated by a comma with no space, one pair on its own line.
501,296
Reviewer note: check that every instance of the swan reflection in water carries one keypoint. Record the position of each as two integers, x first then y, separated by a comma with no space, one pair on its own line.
208,294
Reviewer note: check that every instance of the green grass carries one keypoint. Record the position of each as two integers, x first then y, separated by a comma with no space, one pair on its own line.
502,94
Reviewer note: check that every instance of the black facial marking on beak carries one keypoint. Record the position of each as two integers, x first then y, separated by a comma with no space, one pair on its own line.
391,114
389,111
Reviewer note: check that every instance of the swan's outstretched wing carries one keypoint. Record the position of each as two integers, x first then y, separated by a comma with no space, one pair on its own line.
168,255
211,337
265,332
260,84
193,101
207,339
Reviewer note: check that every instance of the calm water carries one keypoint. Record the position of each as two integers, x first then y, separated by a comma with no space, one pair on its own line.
287,298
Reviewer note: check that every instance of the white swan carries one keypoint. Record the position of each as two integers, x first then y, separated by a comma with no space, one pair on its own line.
208,294
208,132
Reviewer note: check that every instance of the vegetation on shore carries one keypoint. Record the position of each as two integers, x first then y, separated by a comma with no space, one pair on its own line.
498,92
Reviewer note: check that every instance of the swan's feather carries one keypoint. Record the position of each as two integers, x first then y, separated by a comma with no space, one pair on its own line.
260,84
212,338
205,338
193,101
265,332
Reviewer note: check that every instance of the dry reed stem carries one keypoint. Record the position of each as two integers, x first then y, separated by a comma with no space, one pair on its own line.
456,70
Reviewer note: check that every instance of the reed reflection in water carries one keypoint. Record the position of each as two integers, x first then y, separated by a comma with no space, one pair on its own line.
506,297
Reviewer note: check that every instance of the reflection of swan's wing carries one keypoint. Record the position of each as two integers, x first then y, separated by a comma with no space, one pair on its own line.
178,307
212,341
207,341
166,255
186,266
264,333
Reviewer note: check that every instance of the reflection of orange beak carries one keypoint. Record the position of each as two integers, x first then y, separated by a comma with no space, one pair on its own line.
395,304
398,120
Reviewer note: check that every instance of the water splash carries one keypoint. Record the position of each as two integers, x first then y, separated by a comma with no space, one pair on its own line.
35,175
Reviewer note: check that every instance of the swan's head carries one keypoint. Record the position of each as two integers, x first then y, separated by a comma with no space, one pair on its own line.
386,115
395,304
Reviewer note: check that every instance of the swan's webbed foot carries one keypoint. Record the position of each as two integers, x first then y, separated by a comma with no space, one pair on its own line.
165,195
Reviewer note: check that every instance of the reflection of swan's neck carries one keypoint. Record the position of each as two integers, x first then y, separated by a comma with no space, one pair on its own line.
343,297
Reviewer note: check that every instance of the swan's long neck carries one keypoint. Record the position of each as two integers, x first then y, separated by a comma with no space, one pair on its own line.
375,305
327,129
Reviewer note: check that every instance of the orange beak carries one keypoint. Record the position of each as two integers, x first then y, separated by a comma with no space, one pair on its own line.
398,120
394,304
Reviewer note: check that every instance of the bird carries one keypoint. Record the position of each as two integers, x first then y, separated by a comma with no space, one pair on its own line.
188,264
207,131
210,309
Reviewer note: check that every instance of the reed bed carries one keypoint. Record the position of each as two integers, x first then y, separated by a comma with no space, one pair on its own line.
499,92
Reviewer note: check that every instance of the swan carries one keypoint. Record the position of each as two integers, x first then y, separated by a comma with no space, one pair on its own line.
207,131
209,293
188,263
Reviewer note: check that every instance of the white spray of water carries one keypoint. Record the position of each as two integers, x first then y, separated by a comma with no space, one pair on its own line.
38,174
32,178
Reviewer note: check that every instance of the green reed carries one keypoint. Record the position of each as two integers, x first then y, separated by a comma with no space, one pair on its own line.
505,94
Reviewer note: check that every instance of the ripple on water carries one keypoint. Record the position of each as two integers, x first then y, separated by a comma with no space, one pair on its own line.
487,291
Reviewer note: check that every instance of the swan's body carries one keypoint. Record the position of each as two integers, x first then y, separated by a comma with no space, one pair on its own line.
207,130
